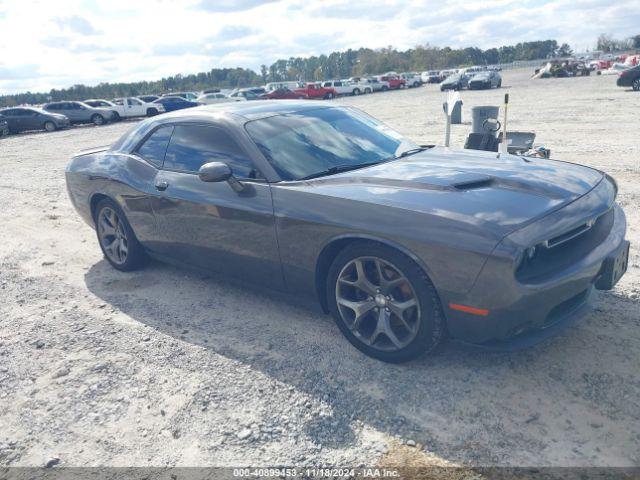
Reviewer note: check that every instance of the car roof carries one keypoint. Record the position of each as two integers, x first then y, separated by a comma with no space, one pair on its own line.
253,110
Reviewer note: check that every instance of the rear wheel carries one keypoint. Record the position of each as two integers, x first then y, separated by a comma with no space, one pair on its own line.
636,85
384,303
116,238
384,88
356,91
116,116
367,90
97,119
151,112
328,96
49,126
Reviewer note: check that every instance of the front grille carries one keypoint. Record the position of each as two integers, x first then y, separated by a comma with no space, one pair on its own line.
566,249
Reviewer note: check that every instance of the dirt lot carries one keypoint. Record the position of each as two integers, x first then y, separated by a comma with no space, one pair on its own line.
167,367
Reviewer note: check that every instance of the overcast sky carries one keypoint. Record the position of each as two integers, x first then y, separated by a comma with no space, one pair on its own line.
57,43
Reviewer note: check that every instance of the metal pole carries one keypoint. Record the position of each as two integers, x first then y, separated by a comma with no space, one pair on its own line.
503,144
447,131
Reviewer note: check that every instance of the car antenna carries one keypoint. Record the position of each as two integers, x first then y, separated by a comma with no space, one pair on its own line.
503,144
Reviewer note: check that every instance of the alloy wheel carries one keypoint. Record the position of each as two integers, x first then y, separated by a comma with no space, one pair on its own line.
113,235
636,84
377,303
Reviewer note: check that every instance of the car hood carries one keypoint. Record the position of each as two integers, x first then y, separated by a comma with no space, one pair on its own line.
469,186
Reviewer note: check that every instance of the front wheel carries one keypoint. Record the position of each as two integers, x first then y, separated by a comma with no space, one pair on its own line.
636,85
367,90
328,96
49,126
116,238
97,119
356,91
384,303
116,117
384,88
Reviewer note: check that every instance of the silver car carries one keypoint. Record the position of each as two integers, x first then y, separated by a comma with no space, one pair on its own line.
80,112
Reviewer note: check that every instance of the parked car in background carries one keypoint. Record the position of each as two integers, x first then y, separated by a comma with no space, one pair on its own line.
341,87
431,76
211,98
4,127
20,119
128,107
471,71
316,90
630,78
412,79
80,112
615,69
282,94
360,85
148,98
136,107
378,85
454,82
393,81
187,95
174,103
486,79
245,94
447,73
278,85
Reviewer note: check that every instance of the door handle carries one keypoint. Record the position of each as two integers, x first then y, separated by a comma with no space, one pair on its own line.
162,185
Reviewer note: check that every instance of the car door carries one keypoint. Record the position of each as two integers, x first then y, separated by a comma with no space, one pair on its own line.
209,225
32,120
13,119
135,108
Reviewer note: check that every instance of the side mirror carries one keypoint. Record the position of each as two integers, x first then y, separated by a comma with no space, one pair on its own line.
214,172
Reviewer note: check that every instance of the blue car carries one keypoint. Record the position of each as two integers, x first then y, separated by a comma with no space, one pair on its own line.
175,103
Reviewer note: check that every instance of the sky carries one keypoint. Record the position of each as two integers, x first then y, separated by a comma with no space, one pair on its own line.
48,44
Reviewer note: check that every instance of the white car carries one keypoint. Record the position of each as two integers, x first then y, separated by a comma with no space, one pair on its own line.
128,107
341,87
413,79
615,69
211,98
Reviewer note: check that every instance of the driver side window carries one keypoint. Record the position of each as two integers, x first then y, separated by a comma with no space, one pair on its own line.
192,146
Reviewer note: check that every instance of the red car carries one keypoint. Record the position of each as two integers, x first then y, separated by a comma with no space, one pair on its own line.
394,81
282,94
315,90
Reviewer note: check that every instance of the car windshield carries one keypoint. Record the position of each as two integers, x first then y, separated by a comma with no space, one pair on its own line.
307,143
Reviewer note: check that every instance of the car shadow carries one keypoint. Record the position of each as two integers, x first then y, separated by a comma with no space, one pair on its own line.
463,405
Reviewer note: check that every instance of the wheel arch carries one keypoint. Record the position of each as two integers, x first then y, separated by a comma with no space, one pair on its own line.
335,245
97,198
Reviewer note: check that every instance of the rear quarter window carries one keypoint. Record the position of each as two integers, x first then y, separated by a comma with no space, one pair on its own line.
154,147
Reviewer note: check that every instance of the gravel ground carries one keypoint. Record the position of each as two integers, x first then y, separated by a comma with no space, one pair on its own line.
168,367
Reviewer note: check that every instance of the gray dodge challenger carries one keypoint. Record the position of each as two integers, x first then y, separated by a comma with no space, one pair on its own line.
403,244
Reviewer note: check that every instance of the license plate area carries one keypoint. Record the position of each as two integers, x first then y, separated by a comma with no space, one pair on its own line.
613,269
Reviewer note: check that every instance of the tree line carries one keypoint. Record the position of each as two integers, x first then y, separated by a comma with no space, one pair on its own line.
364,61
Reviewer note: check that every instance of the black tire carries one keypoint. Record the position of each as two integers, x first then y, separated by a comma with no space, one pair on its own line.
328,96
499,84
636,85
152,112
136,257
116,116
384,88
356,91
368,90
97,119
431,328
4,132
50,126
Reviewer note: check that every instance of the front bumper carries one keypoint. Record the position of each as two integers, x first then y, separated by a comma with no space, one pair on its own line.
522,314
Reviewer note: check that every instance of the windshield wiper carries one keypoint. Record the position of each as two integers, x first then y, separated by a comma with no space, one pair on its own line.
339,169
411,151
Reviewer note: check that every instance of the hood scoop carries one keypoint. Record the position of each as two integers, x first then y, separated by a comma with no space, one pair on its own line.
472,182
